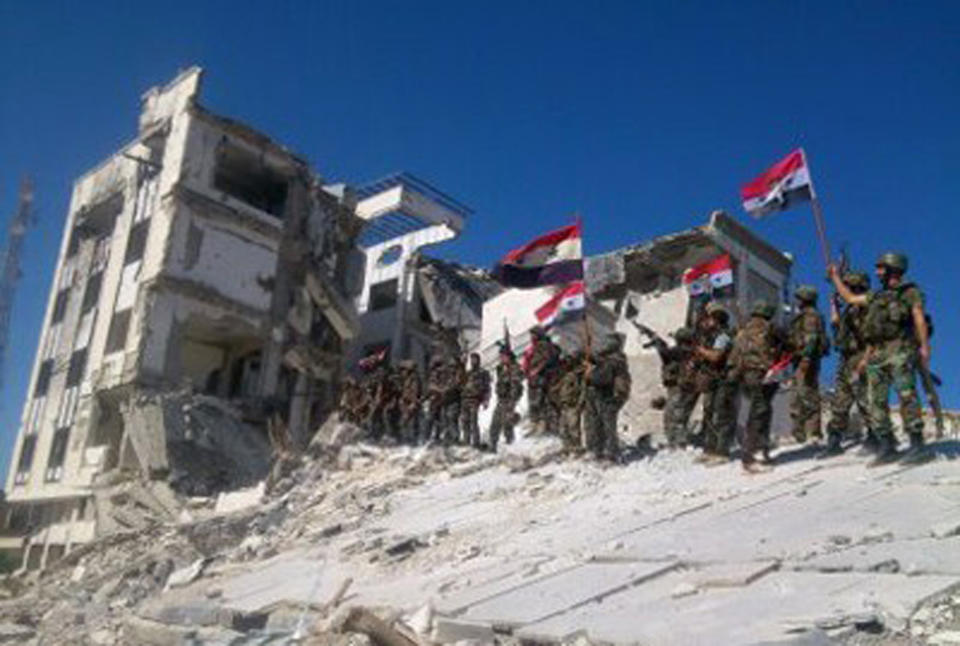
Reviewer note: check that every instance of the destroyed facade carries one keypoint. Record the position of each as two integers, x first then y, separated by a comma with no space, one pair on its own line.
206,288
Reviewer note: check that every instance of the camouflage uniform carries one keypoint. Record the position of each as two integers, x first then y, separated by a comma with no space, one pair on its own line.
452,393
509,389
672,368
756,348
541,371
436,383
409,402
892,361
476,391
351,400
377,393
850,385
717,433
569,394
608,388
683,394
808,344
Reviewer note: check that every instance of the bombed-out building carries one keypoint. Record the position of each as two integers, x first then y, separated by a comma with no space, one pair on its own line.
201,259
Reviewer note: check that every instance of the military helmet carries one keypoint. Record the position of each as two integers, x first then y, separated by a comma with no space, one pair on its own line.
856,280
763,309
806,294
893,260
537,330
716,309
683,334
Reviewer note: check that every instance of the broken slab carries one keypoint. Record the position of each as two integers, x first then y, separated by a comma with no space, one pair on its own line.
240,499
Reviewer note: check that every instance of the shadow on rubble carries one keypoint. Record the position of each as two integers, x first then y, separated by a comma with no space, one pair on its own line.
949,449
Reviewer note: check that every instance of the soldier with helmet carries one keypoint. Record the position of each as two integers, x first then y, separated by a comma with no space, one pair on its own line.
850,385
541,368
474,394
895,327
608,385
808,345
710,359
509,390
409,400
755,349
675,378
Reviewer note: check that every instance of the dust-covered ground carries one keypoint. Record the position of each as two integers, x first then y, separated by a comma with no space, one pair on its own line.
399,545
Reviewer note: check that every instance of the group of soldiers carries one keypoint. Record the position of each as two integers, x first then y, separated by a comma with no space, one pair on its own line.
883,339
577,395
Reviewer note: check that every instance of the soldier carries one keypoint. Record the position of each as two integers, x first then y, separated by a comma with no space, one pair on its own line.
509,390
755,349
674,371
436,383
373,390
895,326
475,393
850,386
608,388
409,401
454,375
808,345
541,369
710,355
569,394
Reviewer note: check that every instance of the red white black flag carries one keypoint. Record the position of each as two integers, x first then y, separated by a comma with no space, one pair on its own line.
551,259
568,303
712,274
779,187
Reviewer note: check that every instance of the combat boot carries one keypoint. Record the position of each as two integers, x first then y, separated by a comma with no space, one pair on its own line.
918,453
886,451
833,447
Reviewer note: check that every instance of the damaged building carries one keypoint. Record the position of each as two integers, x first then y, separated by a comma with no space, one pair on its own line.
411,304
644,282
201,287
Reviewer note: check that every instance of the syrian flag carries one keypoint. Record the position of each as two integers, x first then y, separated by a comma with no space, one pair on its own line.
779,187
705,277
551,259
568,303
373,360
777,373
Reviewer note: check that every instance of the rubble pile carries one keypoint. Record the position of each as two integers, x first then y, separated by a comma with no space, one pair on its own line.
354,543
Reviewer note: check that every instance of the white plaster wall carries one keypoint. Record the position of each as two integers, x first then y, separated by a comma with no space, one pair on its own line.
230,262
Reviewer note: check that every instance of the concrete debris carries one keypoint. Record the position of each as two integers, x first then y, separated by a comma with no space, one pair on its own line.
401,552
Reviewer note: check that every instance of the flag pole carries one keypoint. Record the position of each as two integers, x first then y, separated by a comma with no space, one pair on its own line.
817,214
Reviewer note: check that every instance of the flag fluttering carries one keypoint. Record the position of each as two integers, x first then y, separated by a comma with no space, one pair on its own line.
715,273
551,259
567,304
779,187
372,360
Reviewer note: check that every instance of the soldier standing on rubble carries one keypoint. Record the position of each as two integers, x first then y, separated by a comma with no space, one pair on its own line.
475,393
808,345
455,375
850,385
409,401
541,369
608,388
436,385
348,408
509,389
674,370
710,355
756,348
895,326
570,395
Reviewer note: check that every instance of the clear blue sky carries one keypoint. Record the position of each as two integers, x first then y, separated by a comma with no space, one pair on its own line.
642,116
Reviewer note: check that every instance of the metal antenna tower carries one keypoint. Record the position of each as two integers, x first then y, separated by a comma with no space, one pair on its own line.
10,264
